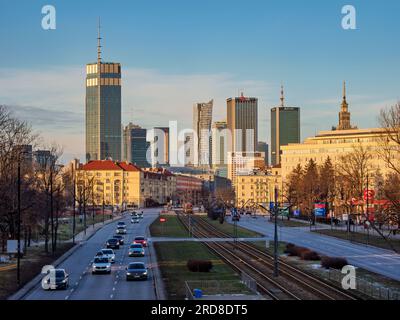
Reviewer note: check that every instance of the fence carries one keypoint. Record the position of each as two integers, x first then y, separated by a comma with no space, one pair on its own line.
246,286
369,288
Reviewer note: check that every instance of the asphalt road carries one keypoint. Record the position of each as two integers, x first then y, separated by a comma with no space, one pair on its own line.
85,286
371,258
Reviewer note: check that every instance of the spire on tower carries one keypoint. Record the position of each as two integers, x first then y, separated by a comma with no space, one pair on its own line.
344,90
282,97
98,43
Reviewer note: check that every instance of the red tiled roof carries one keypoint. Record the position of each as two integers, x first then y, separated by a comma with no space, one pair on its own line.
100,165
128,166
109,165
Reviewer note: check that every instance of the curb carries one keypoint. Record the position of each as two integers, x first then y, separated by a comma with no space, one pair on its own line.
158,284
21,293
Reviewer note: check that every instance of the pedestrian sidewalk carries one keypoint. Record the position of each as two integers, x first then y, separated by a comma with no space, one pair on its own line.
84,236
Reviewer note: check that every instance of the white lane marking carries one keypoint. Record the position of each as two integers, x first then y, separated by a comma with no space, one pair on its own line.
66,298
72,290
111,296
76,283
115,282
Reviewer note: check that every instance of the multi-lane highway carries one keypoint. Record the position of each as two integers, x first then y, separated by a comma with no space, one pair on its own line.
371,258
86,286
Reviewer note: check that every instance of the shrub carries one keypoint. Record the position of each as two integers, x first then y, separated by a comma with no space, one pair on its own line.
310,256
199,265
333,262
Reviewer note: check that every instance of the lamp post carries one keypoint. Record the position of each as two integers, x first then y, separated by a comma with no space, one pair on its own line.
73,208
19,223
276,265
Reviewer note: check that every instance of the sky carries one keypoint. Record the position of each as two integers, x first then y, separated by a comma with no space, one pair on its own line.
178,52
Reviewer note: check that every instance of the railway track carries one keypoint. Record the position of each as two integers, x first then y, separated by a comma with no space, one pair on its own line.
293,283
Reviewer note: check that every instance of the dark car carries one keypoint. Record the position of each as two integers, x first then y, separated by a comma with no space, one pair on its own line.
61,280
120,239
112,243
141,240
136,271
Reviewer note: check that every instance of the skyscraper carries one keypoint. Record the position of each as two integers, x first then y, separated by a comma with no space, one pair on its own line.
285,128
219,147
202,117
160,146
135,145
263,147
103,109
242,121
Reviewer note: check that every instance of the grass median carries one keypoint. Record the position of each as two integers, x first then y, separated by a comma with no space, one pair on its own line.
228,229
172,259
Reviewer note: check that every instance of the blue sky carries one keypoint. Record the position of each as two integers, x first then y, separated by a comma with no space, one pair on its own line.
178,52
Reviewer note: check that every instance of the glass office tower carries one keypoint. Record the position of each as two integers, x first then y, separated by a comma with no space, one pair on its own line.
103,111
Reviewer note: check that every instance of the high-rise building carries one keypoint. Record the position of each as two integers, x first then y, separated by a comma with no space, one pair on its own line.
160,146
263,147
285,128
103,109
242,121
135,145
189,149
219,145
202,117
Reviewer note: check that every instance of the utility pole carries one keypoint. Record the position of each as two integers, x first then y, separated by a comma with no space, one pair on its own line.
51,209
19,223
73,208
276,265
367,223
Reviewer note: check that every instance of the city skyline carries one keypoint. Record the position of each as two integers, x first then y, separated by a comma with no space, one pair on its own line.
51,97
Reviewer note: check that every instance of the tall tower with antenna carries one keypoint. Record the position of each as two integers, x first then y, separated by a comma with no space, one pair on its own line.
103,108
344,114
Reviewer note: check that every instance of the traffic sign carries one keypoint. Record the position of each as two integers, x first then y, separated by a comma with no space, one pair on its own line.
320,209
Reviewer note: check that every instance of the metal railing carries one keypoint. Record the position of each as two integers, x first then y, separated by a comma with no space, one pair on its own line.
368,288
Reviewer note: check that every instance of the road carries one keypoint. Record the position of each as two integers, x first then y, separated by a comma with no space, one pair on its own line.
374,259
85,286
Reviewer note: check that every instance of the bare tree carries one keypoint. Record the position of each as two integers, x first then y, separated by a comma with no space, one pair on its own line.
390,138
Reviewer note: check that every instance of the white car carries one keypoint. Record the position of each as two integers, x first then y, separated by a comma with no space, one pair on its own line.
109,254
101,265
120,230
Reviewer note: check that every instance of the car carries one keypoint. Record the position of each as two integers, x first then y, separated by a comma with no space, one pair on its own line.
133,213
60,279
141,240
135,220
101,265
121,224
109,254
136,271
120,230
120,239
136,250
140,215
112,243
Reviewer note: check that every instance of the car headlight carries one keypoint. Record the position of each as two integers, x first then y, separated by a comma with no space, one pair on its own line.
145,273
128,273
64,281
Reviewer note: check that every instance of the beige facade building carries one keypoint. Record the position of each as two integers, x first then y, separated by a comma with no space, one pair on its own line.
334,144
122,184
258,188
